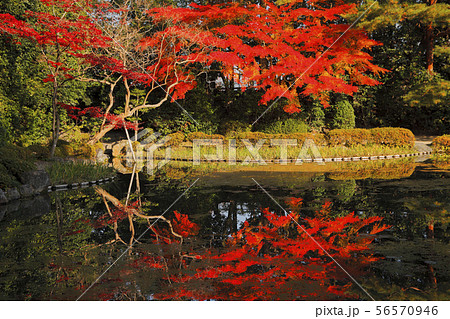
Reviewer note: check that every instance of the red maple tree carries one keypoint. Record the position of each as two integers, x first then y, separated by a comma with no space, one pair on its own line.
285,50
62,31
154,55
150,66
102,42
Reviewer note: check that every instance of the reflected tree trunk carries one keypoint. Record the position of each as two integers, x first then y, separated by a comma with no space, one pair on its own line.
59,222
430,229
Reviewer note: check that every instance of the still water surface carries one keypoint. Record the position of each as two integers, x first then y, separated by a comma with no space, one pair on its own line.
228,240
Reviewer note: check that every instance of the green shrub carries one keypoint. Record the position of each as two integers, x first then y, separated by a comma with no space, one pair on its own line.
64,149
316,116
387,136
348,137
319,139
6,179
286,126
231,127
86,150
343,115
441,144
4,136
252,136
39,151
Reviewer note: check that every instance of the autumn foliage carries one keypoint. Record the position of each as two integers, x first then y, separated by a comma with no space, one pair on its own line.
276,257
291,51
274,48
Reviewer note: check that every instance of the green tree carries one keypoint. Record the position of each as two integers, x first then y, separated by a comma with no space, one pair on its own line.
23,99
415,37
342,115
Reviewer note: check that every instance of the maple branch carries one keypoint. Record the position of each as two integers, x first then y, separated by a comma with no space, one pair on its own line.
111,100
127,95
443,33
148,94
118,238
166,97
159,55
134,211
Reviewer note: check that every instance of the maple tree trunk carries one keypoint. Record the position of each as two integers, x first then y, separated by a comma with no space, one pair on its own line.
99,135
429,47
429,42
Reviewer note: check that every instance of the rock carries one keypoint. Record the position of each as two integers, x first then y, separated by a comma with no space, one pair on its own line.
35,207
39,180
26,209
26,190
3,199
119,148
3,210
12,194
101,157
13,206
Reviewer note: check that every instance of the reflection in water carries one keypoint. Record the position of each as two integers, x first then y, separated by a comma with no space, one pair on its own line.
273,259
223,243
268,258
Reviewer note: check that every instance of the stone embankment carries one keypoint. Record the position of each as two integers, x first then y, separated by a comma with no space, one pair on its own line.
33,183
38,182
64,187
309,160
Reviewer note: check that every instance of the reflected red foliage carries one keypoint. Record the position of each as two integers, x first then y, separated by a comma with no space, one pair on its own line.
183,226
276,259
104,220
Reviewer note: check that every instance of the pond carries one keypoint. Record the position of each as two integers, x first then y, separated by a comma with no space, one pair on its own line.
342,233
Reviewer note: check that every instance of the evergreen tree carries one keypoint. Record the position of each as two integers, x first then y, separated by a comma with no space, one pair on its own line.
415,37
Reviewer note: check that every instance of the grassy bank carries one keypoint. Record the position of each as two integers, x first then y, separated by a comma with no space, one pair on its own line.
77,172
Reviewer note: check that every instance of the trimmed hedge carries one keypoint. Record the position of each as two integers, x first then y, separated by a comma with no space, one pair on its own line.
390,136
175,139
441,144
348,137
200,135
253,137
